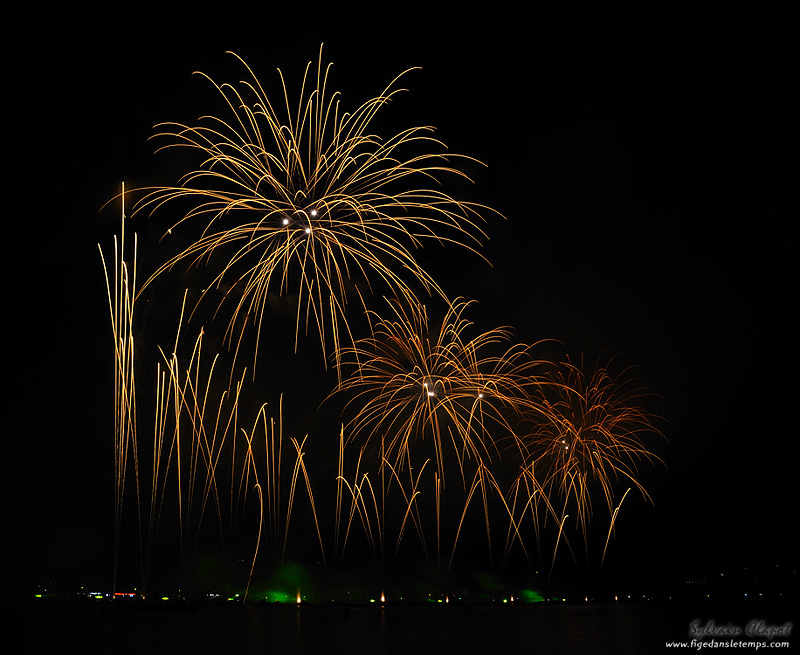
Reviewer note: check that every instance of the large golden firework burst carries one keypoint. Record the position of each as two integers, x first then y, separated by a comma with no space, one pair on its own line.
307,201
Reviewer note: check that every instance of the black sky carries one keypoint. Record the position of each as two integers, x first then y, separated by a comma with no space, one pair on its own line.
647,173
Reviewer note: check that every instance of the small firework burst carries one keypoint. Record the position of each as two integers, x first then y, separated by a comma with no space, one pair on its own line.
592,430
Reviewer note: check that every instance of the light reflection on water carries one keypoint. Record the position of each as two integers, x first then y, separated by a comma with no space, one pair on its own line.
395,630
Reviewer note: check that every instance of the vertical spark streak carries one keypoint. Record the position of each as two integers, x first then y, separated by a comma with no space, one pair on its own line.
121,302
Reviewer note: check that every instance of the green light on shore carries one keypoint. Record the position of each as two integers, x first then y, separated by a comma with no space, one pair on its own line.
530,596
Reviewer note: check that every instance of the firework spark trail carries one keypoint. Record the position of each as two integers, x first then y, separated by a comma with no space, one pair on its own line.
210,436
188,442
311,203
365,503
195,429
121,301
189,437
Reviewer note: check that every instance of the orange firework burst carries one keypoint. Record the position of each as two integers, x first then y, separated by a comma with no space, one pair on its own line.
415,380
307,201
591,433
430,394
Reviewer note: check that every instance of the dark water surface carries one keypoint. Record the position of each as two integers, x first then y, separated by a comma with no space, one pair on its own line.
540,629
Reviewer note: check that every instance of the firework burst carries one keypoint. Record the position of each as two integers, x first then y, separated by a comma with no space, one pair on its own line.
305,201
430,395
415,380
592,430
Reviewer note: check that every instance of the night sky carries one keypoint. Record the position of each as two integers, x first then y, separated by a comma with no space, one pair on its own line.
647,176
